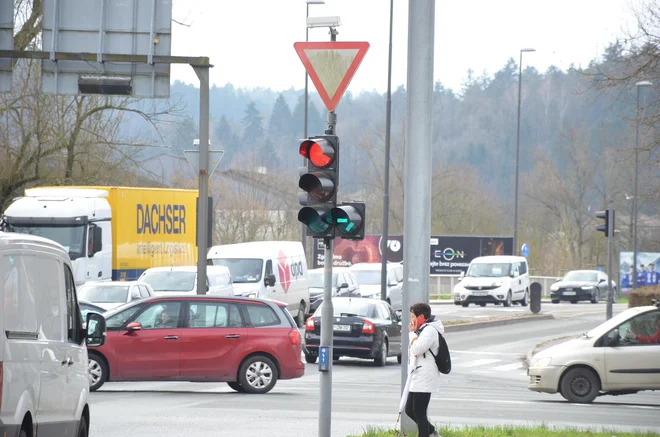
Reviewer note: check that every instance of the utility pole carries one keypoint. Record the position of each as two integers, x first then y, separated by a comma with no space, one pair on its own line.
386,192
203,204
417,206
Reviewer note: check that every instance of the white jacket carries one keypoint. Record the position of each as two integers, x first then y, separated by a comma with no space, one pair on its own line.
426,377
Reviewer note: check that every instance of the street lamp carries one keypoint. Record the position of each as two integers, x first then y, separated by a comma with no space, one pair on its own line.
639,85
386,176
309,2
515,208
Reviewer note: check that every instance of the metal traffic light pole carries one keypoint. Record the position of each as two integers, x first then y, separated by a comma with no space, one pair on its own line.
327,310
610,238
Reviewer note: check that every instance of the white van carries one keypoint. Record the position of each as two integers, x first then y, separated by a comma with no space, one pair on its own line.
183,279
497,279
274,270
44,381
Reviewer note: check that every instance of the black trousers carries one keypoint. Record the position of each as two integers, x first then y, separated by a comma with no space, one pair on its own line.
416,408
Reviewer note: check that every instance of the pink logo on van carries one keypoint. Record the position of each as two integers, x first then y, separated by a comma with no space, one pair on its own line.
285,272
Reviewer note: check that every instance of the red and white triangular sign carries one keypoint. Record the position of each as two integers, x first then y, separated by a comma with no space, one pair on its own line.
331,66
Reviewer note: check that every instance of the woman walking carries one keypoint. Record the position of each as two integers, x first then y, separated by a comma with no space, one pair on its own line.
426,377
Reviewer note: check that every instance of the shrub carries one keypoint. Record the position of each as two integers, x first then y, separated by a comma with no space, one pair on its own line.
643,296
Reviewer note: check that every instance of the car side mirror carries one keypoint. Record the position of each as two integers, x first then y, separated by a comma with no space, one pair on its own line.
398,314
133,326
96,330
343,285
270,280
601,281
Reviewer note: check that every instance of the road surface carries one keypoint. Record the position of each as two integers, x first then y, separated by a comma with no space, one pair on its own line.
488,385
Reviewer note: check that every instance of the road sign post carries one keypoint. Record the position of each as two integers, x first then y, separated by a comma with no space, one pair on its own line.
331,66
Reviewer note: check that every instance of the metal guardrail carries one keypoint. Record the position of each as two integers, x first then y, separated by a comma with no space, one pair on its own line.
443,285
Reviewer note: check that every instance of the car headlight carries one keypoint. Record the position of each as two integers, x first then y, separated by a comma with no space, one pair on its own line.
497,284
554,287
588,287
541,362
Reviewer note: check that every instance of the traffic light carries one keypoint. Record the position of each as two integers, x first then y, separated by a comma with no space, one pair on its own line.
606,215
320,183
349,220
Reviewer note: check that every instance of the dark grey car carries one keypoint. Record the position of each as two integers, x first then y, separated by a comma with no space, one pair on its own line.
578,285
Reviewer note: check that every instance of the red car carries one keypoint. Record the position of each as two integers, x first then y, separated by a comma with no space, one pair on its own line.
248,343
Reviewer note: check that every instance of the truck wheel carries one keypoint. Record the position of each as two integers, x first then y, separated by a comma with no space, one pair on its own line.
580,385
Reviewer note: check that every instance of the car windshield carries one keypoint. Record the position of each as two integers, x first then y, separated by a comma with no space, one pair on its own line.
242,269
581,276
170,280
358,307
315,280
71,237
489,270
367,277
104,293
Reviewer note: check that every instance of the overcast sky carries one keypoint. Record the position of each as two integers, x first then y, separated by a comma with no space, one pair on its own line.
250,42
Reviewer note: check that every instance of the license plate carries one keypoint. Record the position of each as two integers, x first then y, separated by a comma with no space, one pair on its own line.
480,293
569,293
343,328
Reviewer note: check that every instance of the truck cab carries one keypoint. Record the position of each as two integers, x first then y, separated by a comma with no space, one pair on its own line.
78,219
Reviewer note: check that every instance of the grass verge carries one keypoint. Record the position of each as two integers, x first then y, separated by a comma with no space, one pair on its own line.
510,431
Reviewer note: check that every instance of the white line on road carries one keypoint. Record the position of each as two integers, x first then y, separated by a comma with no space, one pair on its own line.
507,367
481,362
485,353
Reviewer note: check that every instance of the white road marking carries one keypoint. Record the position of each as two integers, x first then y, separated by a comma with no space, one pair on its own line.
481,362
507,367
484,353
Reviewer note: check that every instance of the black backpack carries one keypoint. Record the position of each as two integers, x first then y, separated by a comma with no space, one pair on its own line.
442,360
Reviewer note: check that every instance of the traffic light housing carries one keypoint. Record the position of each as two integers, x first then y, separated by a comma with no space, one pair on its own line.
349,220
320,183
607,216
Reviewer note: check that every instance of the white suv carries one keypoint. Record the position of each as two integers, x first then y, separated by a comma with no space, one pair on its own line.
494,279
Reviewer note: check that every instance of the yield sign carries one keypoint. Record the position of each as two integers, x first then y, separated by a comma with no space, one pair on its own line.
331,66
214,159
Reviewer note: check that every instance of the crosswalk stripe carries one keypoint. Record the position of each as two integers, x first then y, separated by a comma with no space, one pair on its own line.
481,362
507,367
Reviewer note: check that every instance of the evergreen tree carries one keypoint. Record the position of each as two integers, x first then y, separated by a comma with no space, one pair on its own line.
253,129
315,123
281,119
227,139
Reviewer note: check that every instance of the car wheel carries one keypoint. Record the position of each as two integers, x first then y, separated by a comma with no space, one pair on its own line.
381,359
83,431
580,385
98,372
465,304
595,296
482,304
236,387
300,319
456,302
311,359
258,374
507,302
398,358
524,302
574,301
555,301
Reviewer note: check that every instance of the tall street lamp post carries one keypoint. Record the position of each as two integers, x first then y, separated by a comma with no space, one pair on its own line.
639,85
515,211
386,191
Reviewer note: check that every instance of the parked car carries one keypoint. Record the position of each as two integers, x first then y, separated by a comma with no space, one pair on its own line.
499,279
362,328
247,342
109,295
44,385
88,307
368,276
619,356
183,279
344,283
578,285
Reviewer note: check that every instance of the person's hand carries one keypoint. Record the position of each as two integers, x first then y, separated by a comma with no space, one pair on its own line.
412,327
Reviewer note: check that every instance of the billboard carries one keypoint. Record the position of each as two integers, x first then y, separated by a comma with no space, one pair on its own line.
646,270
450,255
347,252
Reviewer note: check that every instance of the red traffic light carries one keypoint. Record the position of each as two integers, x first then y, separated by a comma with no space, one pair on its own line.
319,151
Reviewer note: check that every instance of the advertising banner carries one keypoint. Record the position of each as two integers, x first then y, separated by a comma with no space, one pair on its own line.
646,270
347,252
450,255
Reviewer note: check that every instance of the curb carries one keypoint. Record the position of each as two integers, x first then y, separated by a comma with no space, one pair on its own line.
477,325
537,347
